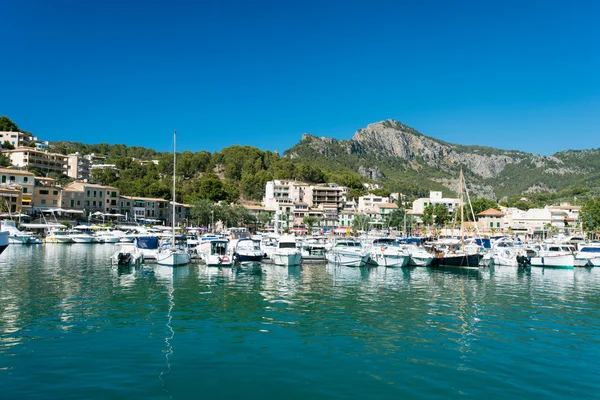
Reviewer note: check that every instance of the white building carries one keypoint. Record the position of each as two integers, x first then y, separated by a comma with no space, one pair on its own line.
17,139
368,202
29,158
78,167
433,199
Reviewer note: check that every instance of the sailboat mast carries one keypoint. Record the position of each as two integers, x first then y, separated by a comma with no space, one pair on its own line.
174,167
462,211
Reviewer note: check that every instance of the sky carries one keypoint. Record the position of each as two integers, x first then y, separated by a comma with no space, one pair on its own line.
521,75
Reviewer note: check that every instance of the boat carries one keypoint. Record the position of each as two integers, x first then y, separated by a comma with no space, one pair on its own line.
3,241
286,253
127,254
588,255
386,252
247,252
419,257
216,253
148,245
506,252
348,252
451,252
551,255
15,236
77,237
173,255
58,236
313,249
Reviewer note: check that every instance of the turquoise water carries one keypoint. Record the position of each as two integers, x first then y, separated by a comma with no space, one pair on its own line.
73,327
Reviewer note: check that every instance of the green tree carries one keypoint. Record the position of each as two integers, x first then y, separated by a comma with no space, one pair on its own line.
361,223
428,215
590,215
7,145
441,213
396,218
4,160
7,125
479,205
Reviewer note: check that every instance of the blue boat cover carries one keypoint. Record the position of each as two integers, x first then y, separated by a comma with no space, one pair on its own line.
147,242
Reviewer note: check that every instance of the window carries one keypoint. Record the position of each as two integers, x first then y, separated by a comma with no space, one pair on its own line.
12,178
24,190
55,192
88,193
78,202
3,178
54,201
25,179
44,192
72,203
491,224
497,224
43,201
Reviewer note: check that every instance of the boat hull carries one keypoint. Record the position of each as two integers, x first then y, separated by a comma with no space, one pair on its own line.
286,259
348,259
214,260
172,258
3,241
459,260
390,260
249,259
564,262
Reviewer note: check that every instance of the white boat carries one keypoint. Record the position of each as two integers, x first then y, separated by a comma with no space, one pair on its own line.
286,253
588,255
15,236
504,252
127,254
109,236
386,252
216,253
148,245
81,237
419,257
173,255
247,252
347,252
313,248
552,255
58,236
3,241
268,244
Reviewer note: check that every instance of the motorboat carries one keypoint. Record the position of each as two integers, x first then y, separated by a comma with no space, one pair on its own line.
268,244
386,252
286,253
348,252
506,252
173,256
313,248
419,256
3,241
148,245
551,255
58,236
247,252
216,253
15,236
79,237
588,255
127,254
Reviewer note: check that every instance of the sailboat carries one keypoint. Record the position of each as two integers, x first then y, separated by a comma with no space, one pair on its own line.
452,253
172,255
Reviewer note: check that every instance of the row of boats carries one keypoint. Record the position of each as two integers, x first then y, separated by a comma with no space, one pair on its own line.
288,250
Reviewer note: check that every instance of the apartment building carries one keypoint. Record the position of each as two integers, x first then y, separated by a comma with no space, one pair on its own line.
46,194
144,209
24,180
17,139
368,202
79,167
92,197
433,199
11,197
29,158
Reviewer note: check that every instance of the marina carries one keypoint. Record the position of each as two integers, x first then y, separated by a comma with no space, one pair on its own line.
81,327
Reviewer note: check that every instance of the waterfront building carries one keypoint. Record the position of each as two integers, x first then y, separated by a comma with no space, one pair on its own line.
45,194
78,167
24,181
144,209
30,158
11,197
346,218
95,198
368,202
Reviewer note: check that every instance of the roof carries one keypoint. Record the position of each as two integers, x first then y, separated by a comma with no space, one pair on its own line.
77,185
491,212
253,207
15,171
386,205
143,198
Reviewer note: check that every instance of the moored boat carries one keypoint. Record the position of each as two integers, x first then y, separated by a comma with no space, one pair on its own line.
286,253
348,252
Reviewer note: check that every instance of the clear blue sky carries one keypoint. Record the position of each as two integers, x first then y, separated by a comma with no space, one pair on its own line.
510,74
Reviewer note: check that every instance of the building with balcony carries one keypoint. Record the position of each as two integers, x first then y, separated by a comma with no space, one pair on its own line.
491,221
17,139
29,158
23,180
368,203
95,198
11,197
144,209
46,194
79,167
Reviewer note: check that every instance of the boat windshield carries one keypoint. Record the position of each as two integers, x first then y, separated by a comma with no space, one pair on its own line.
287,245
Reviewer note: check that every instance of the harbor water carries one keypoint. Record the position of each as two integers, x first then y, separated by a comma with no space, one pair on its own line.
72,326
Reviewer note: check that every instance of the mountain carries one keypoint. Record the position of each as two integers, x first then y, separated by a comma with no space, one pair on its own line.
408,161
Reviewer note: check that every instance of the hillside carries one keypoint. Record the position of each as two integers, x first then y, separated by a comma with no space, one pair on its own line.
408,161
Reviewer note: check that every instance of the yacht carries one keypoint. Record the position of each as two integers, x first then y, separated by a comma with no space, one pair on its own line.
15,236
348,252
58,236
148,245
551,255
386,252
419,257
451,253
313,248
247,252
286,253
588,255
80,237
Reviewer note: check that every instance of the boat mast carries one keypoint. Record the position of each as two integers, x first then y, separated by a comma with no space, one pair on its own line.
462,211
174,167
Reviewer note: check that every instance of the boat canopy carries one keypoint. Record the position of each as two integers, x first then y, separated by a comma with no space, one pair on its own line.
147,242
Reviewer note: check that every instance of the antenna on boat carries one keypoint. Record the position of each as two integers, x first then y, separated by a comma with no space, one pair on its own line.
462,211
